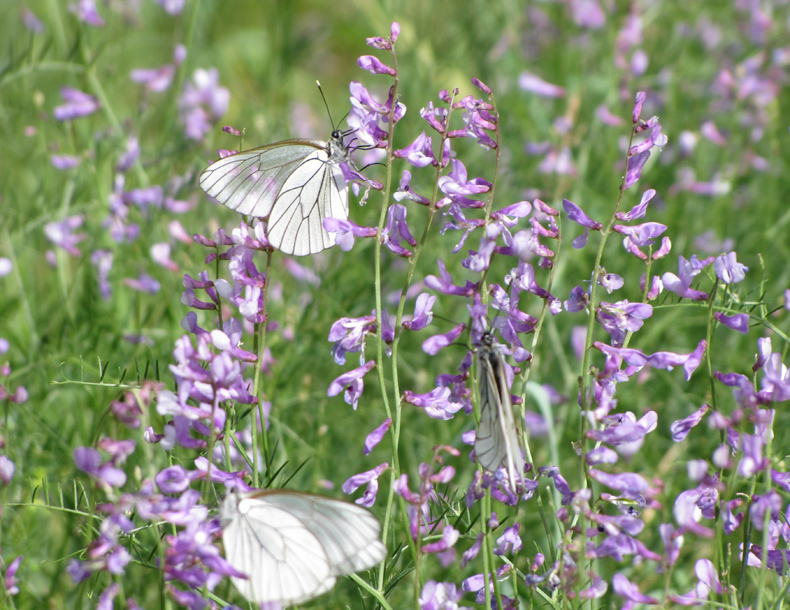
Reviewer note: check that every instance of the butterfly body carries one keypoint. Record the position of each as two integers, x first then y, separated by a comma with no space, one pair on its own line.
294,545
496,440
294,183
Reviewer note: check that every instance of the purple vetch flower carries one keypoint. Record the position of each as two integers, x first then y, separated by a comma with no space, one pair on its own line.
611,282
752,461
144,283
694,504
639,100
10,580
154,79
457,183
375,437
102,260
728,269
87,13
172,7
681,284
374,65
367,114
534,84
681,428
346,231
669,360
423,312
709,131
640,152
479,118
437,403
433,345
64,162
708,581
444,283
603,114
89,460
473,551
348,336
62,234
450,536
622,317
382,43
371,478
738,322
31,22
509,542
440,596
405,191
629,484
577,300
397,230
202,101
639,210
419,153
576,214
7,468
626,589
624,429
601,455
435,117
352,383
641,235
160,254
77,104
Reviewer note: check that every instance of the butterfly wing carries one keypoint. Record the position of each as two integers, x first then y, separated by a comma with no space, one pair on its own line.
496,440
316,189
284,560
250,181
295,183
348,533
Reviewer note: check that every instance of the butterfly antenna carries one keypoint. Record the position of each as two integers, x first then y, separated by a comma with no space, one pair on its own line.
326,105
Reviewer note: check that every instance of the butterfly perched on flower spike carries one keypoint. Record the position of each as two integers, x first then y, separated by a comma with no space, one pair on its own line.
293,183
293,545
496,440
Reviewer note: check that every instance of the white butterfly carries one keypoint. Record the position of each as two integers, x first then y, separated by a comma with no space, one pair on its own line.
295,183
496,440
294,545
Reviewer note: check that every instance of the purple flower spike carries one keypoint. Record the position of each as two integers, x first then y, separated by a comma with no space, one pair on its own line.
739,321
352,383
375,65
374,438
575,214
728,269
